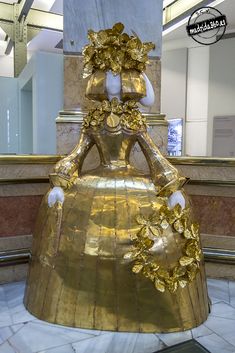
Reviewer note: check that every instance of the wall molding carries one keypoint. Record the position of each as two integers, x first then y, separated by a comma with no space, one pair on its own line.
42,179
52,159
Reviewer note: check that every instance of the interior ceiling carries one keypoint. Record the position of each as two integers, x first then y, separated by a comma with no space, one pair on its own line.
46,40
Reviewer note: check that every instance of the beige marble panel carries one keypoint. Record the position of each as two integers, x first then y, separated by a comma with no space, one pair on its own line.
24,170
16,242
218,241
75,85
199,172
220,271
67,135
13,273
153,71
210,190
23,189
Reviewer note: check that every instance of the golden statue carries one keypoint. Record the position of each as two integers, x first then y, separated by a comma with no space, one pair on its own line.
113,248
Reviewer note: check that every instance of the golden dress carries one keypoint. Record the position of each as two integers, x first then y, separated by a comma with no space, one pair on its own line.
114,255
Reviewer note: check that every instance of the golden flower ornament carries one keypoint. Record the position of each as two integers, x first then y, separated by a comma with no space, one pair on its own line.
128,113
111,49
144,240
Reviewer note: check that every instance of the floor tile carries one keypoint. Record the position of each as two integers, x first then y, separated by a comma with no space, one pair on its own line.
110,342
2,295
224,310
147,344
6,348
216,344
232,293
63,349
14,297
16,327
5,317
5,333
173,338
14,290
223,328
34,337
201,330
218,290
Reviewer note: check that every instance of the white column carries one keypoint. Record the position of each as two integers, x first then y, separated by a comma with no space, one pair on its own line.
197,101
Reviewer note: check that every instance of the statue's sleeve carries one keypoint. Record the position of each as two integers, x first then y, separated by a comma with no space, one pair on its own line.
164,175
70,167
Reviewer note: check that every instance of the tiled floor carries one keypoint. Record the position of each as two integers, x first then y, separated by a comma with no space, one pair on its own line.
20,332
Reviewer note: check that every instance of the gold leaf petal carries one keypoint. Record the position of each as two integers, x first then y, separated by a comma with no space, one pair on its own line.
154,218
177,210
185,260
118,28
160,285
147,243
178,226
183,283
195,230
164,224
188,234
179,271
141,220
155,230
191,275
144,232
131,255
137,268
163,273
172,286
154,266
133,237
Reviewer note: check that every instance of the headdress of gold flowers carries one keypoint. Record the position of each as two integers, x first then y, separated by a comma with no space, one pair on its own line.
110,49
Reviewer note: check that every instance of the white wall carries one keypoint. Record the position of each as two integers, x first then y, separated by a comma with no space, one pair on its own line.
222,83
6,66
46,72
197,101
9,115
173,84
210,87
185,74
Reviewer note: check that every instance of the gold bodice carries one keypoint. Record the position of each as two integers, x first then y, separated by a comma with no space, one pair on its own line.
114,147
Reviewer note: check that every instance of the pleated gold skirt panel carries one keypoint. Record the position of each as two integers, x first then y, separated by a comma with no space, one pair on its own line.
78,275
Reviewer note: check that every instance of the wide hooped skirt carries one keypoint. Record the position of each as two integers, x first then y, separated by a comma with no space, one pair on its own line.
78,275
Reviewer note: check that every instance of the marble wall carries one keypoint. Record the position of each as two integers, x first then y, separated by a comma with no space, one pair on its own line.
18,214
215,214
80,16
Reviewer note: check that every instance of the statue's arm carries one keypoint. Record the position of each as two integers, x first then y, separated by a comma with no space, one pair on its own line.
71,165
164,175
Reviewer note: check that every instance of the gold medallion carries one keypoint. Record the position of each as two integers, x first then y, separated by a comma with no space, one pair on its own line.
113,121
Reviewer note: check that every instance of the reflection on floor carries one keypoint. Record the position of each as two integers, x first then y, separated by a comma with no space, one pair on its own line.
20,332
